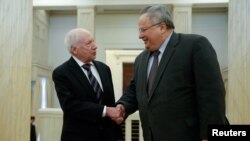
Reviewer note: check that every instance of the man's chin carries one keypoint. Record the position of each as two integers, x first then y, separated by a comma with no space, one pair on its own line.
149,48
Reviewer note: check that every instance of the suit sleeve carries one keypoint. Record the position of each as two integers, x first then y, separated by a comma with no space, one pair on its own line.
73,106
129,99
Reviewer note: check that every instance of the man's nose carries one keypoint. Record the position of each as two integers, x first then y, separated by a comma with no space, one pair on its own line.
140,35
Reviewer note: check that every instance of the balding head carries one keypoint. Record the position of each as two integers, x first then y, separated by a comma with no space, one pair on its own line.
81,44
74,36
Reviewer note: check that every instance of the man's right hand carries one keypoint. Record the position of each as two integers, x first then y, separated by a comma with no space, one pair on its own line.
116,113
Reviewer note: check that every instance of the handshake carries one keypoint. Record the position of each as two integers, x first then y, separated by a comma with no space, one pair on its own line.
116,113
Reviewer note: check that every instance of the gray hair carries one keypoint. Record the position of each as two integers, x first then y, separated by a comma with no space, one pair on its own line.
73,36
158,13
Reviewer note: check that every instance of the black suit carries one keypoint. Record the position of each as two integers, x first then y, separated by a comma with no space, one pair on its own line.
188,92
82,120
32,132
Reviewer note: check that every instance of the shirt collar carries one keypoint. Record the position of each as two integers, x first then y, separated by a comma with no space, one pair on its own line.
165,43
79,62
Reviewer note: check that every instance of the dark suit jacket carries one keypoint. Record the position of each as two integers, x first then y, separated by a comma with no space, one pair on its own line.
82,119
32,132
188,92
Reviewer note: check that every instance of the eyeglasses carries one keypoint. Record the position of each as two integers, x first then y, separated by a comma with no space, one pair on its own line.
142,30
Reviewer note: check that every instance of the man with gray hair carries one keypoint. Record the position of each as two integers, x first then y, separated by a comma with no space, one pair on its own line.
85,91
177,85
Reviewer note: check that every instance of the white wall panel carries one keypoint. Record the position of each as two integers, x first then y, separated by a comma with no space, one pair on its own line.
117,31
213,25
59,26
58,52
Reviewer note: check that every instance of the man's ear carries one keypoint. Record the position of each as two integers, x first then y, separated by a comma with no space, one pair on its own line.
163,28
73,50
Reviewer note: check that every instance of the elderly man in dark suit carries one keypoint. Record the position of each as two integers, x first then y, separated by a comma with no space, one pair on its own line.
85,91
177,84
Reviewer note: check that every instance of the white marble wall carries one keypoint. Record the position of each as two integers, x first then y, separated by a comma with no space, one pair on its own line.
15,69
50,122
40,37
239,62
40,68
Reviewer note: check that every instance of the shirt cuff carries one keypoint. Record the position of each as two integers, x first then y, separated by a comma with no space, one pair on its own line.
104,112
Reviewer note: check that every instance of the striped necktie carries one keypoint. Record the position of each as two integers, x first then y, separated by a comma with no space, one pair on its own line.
94,83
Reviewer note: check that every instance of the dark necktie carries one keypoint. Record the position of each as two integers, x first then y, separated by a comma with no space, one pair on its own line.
94,83
153,71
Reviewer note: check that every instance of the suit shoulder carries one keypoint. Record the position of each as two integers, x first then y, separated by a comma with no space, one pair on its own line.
191,37
144,52
61,67
101,64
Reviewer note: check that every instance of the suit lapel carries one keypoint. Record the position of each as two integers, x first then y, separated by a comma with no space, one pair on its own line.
167,54
80,76
144,74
